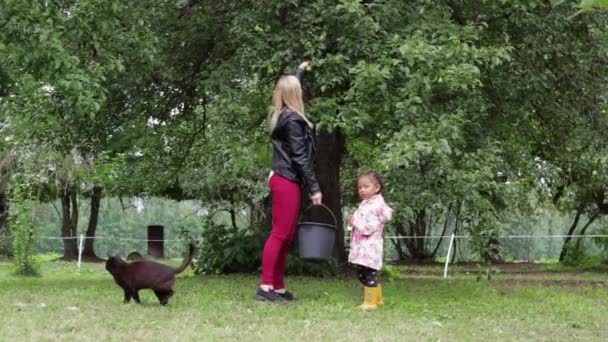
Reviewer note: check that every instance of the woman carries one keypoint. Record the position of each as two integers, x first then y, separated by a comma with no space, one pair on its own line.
292,168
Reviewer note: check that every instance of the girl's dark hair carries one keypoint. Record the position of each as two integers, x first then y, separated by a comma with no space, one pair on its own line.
376,177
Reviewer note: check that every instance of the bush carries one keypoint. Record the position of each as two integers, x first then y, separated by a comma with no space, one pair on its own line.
6,244
322,269
223,249
575,255
227,250
389,272
25,232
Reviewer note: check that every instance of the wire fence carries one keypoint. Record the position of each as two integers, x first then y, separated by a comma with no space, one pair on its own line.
514,247
498,237
121,230
105,246
448,248
511,246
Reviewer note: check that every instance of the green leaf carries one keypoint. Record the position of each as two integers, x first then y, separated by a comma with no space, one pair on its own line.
555,3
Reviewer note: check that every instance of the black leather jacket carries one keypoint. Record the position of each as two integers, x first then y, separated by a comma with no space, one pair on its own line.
294,150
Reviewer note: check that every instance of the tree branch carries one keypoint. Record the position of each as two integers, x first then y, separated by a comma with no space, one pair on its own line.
584,230
445,227
185,11
579,211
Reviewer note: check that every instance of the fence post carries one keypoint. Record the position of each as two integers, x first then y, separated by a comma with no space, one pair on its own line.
447,257
156,239
80,249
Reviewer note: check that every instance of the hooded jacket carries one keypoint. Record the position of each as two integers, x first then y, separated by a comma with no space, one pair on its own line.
367,240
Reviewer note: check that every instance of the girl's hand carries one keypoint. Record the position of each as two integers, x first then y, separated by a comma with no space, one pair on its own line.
349,219
303,65
316,198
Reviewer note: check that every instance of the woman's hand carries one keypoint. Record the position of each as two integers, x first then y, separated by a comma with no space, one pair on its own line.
349,219
303,65
316,198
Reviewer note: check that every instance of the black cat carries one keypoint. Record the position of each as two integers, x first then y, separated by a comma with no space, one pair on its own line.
145,274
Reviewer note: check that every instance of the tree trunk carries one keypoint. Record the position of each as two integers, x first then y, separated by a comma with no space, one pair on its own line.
3,211
584,230
456,223
445,228
562,255
400,229
261,215
232,212
454,246
418,227
69,225
89,242
330,149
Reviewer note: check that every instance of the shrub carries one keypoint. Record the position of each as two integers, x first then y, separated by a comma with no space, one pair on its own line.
389,272
322,269
575,255
6,244
24,231
223,249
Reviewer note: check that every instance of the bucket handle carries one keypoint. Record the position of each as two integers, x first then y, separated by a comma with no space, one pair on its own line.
326,207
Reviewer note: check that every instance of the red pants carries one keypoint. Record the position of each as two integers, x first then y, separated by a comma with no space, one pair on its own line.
285,211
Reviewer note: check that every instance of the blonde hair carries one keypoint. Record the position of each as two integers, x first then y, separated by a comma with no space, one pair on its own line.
287,94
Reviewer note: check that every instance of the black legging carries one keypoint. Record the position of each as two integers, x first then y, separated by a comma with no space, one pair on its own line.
367,276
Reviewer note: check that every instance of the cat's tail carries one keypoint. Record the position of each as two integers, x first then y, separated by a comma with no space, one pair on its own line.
187,259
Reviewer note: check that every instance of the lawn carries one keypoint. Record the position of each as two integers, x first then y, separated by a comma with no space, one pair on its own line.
65,304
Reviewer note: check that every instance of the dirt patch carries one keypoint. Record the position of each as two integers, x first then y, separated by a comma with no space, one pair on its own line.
434,268
516,274
543,273
347,271
94,259
547,282
520,267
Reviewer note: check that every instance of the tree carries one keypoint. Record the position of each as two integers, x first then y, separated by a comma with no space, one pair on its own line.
64,78
551,121
465,107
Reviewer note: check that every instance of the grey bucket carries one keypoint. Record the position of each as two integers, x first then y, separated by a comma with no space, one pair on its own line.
315,239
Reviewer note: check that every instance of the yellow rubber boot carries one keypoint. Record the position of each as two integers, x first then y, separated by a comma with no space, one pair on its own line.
370,298
380,299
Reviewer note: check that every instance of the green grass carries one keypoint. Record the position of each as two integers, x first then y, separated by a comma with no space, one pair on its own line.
65,304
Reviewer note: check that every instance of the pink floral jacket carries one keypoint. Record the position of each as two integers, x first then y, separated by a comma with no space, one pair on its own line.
367,239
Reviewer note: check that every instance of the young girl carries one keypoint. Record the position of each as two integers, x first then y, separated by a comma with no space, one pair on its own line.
367,240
